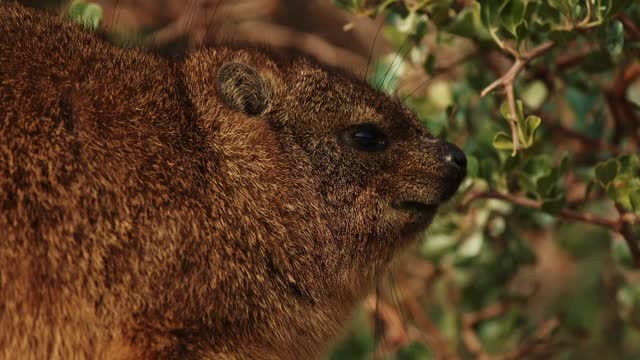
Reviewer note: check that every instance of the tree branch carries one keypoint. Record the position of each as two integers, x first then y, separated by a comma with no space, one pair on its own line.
626,230
620,107
630,26
470,320
508,79
541,343
533,204
433,337
623,225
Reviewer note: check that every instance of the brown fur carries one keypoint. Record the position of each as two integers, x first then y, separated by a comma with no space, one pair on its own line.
147,210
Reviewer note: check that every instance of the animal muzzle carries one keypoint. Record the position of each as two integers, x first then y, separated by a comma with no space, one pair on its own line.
450,166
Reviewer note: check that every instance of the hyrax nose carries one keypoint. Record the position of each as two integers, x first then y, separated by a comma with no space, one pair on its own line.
455,159
455,156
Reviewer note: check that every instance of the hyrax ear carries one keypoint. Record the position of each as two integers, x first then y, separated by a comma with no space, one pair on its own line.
242,88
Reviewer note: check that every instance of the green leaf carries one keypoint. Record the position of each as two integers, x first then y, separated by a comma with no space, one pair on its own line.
468,24
614,6
489,12
534,94
564,164
553,205
414,351
420,29
629,164
615,38
488,170
382,7
618,195
520,110
607,171
472,245
564,6
528,130
437,245
547,16
539,165
547,183
504,110
512,16
634,199
76,10
622,188
527,183
621,253
511,162
87,14
429,64
409,23
502,141
345,4
472,166
590,186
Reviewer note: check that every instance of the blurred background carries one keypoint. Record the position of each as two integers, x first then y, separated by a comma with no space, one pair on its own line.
538,255
314,27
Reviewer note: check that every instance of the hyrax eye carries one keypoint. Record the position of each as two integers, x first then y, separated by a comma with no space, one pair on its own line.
366,137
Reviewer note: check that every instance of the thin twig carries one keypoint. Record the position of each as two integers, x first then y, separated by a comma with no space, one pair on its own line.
438,71
587,17
434,337
533,204
508,79
511,100
388,325
626,230
541,341
470,320
622,225
620,107
489,312
630,26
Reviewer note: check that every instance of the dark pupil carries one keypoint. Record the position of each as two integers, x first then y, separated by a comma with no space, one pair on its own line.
368,138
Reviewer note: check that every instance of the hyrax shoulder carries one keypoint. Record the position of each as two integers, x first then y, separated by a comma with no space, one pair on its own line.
235,204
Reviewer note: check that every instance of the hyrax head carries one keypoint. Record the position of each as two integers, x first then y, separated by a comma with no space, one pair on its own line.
378,171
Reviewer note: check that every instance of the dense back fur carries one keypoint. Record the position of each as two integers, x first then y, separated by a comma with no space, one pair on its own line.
156,209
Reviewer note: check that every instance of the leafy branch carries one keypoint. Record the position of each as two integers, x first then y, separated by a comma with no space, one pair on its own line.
507,80
585,155
622,225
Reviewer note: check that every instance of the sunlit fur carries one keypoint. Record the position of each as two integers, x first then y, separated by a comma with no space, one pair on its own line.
142,217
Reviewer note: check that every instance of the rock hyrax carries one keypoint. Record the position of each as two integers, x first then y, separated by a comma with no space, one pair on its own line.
235,204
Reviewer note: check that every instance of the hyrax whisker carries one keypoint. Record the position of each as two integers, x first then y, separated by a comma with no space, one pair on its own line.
112,24
375,38
384,78
394,290
210,23
398,67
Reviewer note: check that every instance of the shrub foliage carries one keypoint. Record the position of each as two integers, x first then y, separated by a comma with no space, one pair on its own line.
539,253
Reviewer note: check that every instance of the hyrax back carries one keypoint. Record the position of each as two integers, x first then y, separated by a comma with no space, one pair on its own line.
235,204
